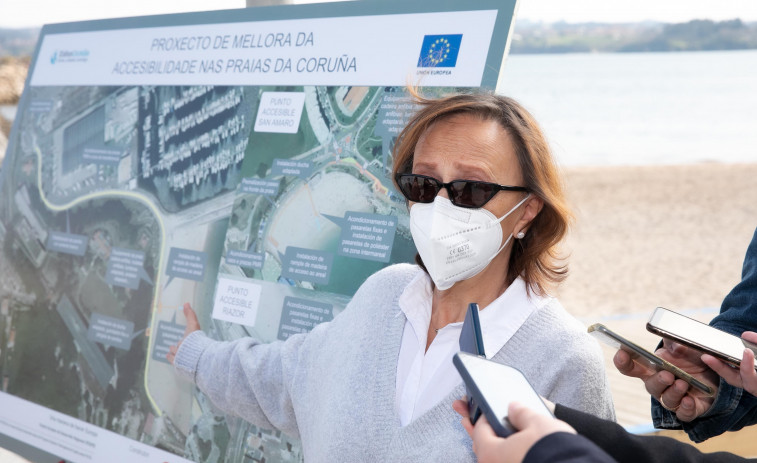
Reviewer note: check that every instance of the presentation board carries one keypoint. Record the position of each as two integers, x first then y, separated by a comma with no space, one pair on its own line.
238,161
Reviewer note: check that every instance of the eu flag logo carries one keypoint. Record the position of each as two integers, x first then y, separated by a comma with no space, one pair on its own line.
440,51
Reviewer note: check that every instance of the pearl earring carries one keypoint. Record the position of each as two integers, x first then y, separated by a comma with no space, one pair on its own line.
520,235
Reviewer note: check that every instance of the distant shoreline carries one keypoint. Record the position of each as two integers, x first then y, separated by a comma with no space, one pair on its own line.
695,35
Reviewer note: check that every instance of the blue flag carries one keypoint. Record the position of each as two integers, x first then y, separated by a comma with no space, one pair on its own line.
440,51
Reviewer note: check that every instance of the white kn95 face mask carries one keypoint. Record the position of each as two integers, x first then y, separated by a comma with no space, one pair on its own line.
455,242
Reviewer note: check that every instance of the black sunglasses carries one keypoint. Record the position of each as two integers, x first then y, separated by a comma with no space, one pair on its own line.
464,193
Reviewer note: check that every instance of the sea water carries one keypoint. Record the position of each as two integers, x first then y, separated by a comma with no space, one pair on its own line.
636,108
641,108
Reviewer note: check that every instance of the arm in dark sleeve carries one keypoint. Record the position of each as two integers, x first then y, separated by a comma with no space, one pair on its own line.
733,408
564,447
626,447
738,313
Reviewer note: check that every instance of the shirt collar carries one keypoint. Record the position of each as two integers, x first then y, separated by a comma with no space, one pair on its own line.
500,320
415,301
505,315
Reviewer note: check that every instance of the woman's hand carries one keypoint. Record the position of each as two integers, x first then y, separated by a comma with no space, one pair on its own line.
531,426
745,376
674,394
192,325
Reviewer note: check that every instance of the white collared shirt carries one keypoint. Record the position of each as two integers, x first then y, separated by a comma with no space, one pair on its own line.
424,377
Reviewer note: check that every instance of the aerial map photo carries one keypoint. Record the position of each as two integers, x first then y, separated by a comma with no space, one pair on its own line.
263,207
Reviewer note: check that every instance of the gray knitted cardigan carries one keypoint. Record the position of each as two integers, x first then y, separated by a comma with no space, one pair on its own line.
334,388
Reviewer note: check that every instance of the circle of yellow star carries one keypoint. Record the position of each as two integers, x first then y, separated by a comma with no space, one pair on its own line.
439,50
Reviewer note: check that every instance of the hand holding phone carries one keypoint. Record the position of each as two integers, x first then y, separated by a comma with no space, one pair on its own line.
744,376
700,336
644,357
531,425
494,386
673,393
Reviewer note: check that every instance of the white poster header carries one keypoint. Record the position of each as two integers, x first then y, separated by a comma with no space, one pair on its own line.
425,49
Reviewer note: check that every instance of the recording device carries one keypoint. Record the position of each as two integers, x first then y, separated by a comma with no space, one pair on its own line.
644,357
472,342
493,386
700,336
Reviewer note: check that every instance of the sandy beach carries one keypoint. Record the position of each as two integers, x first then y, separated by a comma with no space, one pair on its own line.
647,236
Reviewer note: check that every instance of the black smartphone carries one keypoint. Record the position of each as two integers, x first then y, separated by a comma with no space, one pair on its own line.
472,342
643,356
699,336
494,385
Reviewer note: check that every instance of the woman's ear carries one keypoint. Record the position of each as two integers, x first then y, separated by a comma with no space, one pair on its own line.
531,209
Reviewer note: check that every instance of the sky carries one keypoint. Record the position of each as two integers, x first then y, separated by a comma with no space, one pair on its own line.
33,13
616,11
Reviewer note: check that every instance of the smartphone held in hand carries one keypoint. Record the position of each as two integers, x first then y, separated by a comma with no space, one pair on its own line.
700,336
493,386
644,357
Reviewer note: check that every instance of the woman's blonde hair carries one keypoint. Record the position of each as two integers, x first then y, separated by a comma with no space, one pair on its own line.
535,257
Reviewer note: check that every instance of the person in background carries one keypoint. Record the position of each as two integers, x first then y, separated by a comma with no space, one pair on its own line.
730,409
487,213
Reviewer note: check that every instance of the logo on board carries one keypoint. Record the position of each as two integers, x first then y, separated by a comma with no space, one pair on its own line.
69,56
440,51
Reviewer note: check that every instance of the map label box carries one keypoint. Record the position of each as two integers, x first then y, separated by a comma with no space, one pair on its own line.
102,155
394,112
302,315
67,243
292,168
124,268
245,259
41,106
236,301
258,186
187,264
280,112
367,236
110,331
307,265
169,334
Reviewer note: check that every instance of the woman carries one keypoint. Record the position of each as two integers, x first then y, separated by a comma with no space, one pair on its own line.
377,383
